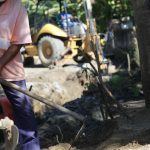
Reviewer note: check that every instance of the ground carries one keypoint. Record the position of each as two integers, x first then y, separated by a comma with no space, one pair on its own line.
66,86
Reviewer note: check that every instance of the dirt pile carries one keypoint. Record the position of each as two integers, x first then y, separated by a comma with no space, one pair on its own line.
68,86
65,86
59,85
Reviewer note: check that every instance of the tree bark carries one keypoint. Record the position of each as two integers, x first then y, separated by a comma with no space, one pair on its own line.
142,19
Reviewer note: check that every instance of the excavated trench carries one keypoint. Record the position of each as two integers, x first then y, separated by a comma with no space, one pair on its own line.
69,86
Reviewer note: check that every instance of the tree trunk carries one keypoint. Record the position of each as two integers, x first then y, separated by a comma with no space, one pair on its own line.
142,18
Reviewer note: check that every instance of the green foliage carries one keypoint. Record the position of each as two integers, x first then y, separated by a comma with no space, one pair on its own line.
49,10
117,80
124,87
105,10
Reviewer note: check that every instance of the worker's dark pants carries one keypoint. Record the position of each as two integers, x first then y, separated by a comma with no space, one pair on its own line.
23,117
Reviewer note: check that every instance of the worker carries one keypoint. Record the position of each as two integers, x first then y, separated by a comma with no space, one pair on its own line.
66,20
14,33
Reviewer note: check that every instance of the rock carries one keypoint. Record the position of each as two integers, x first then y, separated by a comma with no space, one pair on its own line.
61,146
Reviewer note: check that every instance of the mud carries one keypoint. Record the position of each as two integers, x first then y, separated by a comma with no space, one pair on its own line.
68,86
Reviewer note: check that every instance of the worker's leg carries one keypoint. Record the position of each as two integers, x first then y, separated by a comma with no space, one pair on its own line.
23,117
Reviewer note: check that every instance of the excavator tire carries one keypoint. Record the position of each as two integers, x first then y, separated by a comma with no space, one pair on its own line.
50,50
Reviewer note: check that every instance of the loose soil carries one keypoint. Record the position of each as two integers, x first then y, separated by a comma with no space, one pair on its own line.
67,86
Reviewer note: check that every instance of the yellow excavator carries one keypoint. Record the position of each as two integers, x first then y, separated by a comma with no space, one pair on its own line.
52,43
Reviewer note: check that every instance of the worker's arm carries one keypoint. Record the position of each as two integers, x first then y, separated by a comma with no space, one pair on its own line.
9,55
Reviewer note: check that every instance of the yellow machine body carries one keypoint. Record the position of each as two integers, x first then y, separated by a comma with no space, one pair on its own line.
52,30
